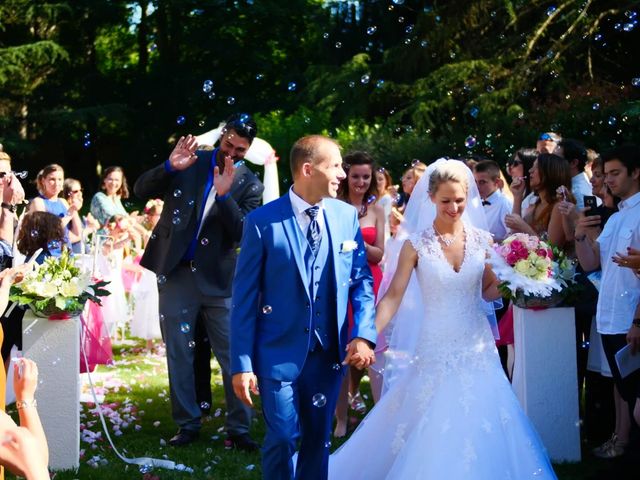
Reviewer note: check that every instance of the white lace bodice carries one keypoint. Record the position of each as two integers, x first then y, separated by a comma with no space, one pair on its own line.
454,334
452,300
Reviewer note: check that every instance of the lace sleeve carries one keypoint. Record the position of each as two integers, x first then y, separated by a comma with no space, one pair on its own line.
417,242
482,239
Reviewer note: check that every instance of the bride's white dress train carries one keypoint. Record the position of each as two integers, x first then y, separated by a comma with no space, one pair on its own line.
451,413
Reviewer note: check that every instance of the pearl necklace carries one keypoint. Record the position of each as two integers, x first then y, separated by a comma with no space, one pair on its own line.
446,241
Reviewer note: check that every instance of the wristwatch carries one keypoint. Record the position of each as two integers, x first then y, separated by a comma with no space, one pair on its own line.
8,206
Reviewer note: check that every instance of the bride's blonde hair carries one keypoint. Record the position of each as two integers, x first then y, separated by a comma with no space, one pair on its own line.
451,171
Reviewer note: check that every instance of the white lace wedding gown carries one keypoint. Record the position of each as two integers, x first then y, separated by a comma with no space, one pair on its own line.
451,414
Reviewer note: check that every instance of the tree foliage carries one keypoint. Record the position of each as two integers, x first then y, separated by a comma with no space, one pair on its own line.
97,82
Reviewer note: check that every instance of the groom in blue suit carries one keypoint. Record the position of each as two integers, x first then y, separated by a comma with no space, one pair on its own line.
302,259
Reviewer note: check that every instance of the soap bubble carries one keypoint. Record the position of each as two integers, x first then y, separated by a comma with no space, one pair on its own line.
204,241
177,193
474,112
267,309
207,86
636,82
551,10
34,233
338,44
595,106
192,344
364,79
470,141
292,86
319,400
231,100
162,279
180,120
185,327
371,30
175,220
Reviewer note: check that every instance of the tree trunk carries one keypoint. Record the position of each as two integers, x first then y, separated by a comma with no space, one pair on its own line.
143,30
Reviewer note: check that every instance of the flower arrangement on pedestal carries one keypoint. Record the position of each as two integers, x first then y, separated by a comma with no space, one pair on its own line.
533,273
57,289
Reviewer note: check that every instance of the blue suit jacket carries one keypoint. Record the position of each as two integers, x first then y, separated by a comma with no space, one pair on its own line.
274,342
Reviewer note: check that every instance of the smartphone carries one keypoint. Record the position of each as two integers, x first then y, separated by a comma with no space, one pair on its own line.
590,201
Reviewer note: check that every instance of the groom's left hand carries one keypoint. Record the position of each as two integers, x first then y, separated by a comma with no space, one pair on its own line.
359,354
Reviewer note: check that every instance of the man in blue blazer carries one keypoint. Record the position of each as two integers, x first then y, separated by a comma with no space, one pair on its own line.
302,259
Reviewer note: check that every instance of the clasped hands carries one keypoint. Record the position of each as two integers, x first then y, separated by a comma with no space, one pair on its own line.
359,354
184,155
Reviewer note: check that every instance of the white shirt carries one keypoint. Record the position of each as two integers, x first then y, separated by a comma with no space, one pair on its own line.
619,286
527,202
580,186
299,206
499,206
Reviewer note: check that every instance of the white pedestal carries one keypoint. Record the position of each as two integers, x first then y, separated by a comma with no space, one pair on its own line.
545,378
55,346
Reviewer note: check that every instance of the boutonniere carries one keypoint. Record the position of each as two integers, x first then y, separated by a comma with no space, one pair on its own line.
348,246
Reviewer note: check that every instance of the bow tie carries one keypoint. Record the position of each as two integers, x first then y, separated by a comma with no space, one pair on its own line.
485,202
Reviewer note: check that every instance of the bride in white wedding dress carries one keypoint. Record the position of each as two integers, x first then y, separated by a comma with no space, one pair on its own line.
450,412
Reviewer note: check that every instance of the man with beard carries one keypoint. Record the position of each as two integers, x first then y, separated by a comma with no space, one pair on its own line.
192,250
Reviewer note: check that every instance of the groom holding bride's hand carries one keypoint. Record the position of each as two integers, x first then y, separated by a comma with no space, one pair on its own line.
302,259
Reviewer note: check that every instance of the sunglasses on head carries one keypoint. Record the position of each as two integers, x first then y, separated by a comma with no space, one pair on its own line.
546,136
514,163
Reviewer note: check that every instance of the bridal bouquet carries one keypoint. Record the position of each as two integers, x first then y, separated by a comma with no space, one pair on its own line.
533,273
58,288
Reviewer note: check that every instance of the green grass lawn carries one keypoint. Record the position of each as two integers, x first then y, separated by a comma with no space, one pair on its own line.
136,391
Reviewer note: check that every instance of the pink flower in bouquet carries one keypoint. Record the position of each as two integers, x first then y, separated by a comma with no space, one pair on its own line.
542,252
512,258
516,244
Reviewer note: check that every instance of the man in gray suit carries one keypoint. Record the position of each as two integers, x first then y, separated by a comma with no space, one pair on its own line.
192,250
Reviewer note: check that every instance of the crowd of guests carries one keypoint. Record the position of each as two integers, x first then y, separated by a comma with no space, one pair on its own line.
44,226
582,202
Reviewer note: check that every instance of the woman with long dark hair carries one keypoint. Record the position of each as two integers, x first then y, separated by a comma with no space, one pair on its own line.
360,189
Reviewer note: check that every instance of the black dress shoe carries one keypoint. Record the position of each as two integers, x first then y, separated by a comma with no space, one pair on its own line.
242,442
183,437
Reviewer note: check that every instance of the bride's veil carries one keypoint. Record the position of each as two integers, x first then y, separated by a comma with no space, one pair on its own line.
403,331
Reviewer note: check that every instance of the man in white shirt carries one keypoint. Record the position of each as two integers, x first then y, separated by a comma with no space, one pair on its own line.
575,153
618,312
496,204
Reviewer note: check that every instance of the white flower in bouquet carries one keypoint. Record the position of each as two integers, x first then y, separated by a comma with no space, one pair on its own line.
57,287
70,288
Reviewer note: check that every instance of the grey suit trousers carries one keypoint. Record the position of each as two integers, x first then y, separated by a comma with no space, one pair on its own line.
181,303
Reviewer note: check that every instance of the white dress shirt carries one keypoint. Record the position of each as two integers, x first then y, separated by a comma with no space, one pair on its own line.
619,286
299,206
499,206
580,186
